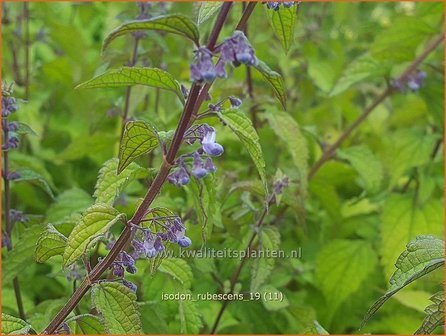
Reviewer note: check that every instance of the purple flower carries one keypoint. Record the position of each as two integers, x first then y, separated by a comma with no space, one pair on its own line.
198,169
273,5
209,165
13,176
129,285
235,102
158,245
179,177
9,105
237,49
185,242
117,269
11,143
280,185
210,146
13,126
73,273
204,69
17,216
6,242
214,107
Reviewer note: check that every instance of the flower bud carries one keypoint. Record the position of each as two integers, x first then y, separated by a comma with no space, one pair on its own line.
235,102
185,242
209,165
129,285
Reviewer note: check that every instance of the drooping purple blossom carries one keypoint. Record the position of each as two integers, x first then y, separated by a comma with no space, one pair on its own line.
275,5
129,285
210,146
198,169
203,69
209,166
280,185
414,81
17,216
237,50
235,102
180,177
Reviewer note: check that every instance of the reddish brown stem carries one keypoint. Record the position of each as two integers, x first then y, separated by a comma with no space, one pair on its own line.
151,194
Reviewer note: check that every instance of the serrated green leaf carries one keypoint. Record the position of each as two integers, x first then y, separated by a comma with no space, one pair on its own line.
275,80
22,253
287,129
24,129
117,306
362,68
435,315
272,298
402,221
207,10
241,125
341,268
178,269
189,316
263,266
86,324
28,175
405,149
421,256
128,76
50,243
14,326
139,138
69,202
176,24
109,184
95,222
283,21
366,164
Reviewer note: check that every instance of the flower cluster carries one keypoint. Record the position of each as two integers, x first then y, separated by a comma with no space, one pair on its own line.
201,158
280,185
147,242
413,82
9,106
275,5
235,50
10,141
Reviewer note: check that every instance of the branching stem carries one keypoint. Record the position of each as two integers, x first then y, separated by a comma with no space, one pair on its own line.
192,104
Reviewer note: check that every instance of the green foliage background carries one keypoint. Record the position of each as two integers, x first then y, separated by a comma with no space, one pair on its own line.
352,220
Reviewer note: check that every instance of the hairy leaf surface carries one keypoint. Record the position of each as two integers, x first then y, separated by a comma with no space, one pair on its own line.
117,306
128,76
176,24
275,80
109,184
341,268
241,125
95,222
178,269
50,243
14,326
421,256
207,10
283,21
139,138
